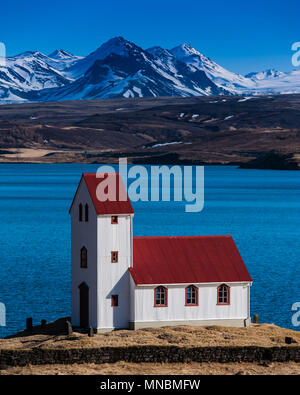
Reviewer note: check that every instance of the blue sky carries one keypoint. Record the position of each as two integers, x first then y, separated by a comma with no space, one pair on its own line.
241,37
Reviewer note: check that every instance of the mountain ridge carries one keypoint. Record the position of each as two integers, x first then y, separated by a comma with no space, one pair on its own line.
120,68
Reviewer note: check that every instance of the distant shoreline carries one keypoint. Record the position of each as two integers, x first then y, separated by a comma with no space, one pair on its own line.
277,163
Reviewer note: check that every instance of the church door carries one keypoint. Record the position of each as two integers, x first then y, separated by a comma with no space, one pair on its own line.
84,305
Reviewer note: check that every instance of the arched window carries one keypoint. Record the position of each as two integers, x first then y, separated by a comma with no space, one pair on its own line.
223,294
191,296
83,258
160,297
80,212
86,213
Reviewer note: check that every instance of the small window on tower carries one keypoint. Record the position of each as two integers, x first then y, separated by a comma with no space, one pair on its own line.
83,258
115,300
114,256
80,212
86,213
114,219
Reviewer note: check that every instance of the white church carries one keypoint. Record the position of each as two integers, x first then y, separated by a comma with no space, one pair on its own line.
121,281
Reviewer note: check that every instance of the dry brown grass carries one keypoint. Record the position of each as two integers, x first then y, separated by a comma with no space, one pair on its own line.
266,335
126,368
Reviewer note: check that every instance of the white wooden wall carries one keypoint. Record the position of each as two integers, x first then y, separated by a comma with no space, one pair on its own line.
132,300
113,278
207,309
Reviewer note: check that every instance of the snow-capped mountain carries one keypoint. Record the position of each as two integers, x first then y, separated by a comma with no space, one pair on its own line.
119,68
118,46
235,83
26,73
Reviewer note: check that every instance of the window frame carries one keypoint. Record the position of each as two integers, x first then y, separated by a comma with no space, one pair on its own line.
197,295
228,291
86,258
117,257
166,296
114,298
117,219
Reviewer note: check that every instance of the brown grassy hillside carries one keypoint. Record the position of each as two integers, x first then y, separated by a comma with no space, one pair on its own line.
209,130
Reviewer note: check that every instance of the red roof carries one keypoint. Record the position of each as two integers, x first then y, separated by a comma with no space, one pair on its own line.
187,260
118,203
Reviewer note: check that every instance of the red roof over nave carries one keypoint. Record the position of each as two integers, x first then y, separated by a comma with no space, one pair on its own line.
187,260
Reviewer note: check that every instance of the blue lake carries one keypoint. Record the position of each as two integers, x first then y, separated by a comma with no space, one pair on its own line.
259,208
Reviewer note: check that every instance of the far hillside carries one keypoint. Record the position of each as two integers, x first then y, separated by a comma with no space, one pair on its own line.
259,131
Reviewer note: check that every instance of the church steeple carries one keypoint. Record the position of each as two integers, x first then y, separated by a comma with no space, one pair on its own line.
101,253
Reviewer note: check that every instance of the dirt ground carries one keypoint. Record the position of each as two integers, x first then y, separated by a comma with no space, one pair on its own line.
266,335
193,368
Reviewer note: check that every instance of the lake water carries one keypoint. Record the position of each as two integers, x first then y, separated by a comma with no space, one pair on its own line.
259,208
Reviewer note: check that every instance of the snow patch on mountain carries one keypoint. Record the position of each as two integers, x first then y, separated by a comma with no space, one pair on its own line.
266,74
